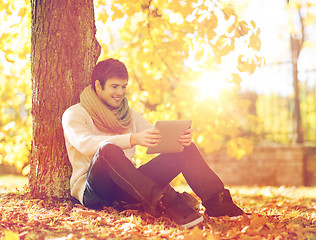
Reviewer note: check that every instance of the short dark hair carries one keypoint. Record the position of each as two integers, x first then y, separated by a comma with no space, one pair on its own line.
109,68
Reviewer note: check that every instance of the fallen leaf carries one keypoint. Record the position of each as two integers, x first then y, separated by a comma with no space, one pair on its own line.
257,221
9,235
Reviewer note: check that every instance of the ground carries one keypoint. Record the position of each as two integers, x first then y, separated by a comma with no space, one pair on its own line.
277,213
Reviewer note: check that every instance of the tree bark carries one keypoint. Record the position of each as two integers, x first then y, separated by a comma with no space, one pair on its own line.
63,53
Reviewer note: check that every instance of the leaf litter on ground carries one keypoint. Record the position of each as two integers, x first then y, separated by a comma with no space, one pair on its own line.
277,213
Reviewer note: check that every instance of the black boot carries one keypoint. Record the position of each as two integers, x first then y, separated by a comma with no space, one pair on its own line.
179,211
221,204
191,201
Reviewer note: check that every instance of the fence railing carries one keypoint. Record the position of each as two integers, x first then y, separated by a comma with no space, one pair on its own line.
272,94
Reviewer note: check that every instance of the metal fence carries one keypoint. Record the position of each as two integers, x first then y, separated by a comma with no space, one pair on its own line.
272,93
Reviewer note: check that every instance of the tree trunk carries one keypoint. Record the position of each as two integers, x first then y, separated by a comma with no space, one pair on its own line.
295,48
63,53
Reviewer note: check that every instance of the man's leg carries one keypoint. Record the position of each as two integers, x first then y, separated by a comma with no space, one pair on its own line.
112,176
165,167
203,181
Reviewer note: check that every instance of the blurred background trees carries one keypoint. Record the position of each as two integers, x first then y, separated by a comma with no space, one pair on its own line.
202,60
15,83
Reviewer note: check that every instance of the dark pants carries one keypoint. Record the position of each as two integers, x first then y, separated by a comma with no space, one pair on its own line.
112,177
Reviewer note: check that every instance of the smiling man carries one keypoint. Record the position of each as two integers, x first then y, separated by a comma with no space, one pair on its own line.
101,133
112,93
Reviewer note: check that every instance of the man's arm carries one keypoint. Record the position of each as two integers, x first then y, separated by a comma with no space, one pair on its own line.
146,138
78,131
145,135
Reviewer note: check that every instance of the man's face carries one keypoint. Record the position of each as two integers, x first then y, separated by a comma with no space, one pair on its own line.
113,93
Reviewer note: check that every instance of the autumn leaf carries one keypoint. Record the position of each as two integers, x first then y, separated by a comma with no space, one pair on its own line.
228,11
257,221
118,13
243,28
9,235
194,234
24,217
255,42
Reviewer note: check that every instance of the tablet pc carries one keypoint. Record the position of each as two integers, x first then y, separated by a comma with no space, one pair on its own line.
170,131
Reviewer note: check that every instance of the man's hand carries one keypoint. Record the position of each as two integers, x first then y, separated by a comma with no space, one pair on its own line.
146,138
186,138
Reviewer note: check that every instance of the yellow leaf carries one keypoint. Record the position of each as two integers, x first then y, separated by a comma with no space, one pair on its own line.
103,16
9,235
253,23
175,5
186,9
257,221
224,45
236,78
243,65
118,13
194,234
255,42
242,28
22,12
214,237
228,12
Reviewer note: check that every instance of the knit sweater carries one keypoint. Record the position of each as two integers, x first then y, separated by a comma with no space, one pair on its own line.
83,139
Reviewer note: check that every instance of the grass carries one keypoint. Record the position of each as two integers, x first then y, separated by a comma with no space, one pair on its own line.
9,183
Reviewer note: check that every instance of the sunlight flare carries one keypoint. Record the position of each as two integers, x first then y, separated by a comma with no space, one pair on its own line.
211,84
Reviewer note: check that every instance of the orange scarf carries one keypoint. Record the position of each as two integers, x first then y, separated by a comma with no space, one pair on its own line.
116,121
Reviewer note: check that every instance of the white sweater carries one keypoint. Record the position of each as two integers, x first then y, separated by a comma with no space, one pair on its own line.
83,139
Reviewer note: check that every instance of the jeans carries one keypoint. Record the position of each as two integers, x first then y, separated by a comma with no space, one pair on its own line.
112,177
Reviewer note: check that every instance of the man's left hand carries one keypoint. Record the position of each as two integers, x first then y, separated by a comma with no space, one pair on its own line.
186,138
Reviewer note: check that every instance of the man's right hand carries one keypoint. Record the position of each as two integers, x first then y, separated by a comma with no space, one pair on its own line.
146,138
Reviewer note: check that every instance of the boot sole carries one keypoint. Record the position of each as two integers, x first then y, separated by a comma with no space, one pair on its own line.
193,223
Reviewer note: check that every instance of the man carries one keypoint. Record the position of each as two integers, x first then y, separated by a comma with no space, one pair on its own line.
101,133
